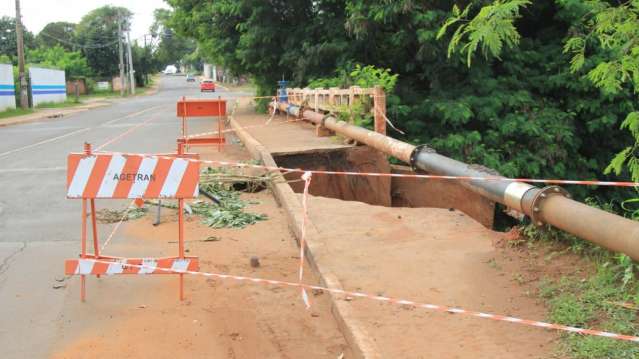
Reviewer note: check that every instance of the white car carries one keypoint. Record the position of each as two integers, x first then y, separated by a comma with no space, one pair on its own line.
170,70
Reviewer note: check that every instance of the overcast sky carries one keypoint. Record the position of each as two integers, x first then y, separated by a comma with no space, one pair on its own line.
37,13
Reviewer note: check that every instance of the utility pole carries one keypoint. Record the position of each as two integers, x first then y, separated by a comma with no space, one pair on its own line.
121,54
24,96
131,71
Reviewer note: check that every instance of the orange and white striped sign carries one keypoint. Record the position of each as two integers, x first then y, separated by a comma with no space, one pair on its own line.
115,175
110,266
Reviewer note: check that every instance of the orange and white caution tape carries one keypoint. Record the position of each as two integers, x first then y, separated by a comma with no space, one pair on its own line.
388,121
425,176
400,175
380,298
307,182
117,226
243,128
111,266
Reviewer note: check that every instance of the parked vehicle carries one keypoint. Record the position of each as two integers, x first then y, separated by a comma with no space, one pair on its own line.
207,85
190,78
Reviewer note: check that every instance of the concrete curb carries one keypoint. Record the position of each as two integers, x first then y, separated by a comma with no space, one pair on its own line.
50,114
356,336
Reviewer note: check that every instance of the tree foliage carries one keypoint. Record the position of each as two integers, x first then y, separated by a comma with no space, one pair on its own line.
97,33
171,48
8,44
72,62
59,33
295,39
518,109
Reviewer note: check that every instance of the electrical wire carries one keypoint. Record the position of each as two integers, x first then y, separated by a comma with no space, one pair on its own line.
89,46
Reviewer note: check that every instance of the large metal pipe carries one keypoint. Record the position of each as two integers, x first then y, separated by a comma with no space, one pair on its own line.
551,205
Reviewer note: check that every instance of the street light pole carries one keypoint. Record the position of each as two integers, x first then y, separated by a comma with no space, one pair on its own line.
121,54
131,71
24,96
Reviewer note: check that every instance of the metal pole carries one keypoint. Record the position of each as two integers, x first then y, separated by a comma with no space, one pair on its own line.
121,51
180,152
549,205
24,96
84,248
131,71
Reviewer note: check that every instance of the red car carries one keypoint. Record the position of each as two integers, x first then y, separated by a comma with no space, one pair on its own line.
207,85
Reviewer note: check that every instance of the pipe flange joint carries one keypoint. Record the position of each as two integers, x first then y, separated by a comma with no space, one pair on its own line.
540,197
323,122
419,149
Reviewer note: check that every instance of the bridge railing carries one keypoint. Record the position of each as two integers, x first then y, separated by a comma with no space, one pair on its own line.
336,100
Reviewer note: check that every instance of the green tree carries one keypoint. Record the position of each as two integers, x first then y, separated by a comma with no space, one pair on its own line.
172,48
602,41
8,44
298,39
144,61
57,33
518,109
97,33
72,62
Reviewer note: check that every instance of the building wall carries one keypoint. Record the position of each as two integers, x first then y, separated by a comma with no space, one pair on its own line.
47,85
82,88
7,88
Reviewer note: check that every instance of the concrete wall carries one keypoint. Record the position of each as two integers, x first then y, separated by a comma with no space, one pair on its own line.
47,85
82,87
7,88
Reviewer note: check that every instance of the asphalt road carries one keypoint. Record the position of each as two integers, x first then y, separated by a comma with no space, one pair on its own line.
39,227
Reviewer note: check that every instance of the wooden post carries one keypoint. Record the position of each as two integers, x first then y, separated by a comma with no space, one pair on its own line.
331,97
316,99
379,109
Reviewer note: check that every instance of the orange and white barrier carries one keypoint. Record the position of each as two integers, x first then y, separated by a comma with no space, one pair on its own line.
202,108
111,266
116,175
107,175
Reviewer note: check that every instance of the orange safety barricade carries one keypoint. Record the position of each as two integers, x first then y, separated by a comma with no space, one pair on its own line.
202,108
134,176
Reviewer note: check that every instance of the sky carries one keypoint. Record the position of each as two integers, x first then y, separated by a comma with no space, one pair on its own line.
37,13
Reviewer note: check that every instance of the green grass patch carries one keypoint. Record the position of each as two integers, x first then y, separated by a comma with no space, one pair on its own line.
604,296
599,301
68,103
15,112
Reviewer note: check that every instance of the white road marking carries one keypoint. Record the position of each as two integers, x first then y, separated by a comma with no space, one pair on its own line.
3,154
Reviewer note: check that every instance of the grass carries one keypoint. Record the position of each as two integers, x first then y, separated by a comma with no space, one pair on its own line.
15,112
604,296
600,301
71,102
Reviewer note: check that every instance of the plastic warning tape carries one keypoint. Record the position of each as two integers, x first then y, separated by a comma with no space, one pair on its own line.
380,298
103,175
425,176
244,127
172,265
401,175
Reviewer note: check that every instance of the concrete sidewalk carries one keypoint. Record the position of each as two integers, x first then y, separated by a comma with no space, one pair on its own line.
434,255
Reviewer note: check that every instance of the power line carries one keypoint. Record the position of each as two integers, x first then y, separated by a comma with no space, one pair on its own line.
89,46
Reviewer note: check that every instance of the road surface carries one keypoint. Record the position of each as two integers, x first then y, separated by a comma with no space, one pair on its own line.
39,227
